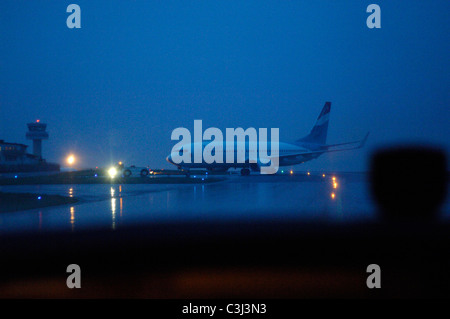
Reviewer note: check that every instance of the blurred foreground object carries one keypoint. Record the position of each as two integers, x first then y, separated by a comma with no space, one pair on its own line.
409,183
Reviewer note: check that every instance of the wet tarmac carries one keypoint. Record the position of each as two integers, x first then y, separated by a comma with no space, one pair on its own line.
331,198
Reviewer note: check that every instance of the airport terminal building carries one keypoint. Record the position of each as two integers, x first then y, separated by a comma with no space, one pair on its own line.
14,156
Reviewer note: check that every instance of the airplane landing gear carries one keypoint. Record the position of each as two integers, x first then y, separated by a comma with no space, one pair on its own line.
245,172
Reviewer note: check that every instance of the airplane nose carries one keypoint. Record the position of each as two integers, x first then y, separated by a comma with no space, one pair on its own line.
169,159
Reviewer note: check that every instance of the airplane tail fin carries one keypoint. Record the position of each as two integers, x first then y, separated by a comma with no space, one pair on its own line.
318,134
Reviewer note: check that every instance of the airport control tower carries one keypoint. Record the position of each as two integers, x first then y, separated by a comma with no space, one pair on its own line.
37,133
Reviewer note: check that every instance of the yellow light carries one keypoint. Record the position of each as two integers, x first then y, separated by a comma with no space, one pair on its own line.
112,172
335,185
333,195
292,172
309,173
334,178
70,159
72,216
120,163
323,175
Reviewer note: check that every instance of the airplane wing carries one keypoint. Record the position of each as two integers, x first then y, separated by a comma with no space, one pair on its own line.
359,144
330,148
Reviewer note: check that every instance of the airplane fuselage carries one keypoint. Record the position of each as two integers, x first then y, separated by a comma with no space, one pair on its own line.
250,151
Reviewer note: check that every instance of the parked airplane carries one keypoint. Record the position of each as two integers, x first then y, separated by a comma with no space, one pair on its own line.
304,149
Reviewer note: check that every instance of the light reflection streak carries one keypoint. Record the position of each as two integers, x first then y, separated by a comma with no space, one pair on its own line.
113,213
121,206
334,184
335,198
72,217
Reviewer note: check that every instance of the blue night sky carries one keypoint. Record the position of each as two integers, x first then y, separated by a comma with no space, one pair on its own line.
136,70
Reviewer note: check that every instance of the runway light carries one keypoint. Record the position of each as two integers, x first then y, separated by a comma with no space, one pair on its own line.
282,172
335,185
309,173
292,172
334,178
37,121
39,197
70,159
333,195
323,175
15,176
112,172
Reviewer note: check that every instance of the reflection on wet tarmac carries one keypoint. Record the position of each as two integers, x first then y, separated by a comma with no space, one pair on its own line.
72,217
113,212
332,198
